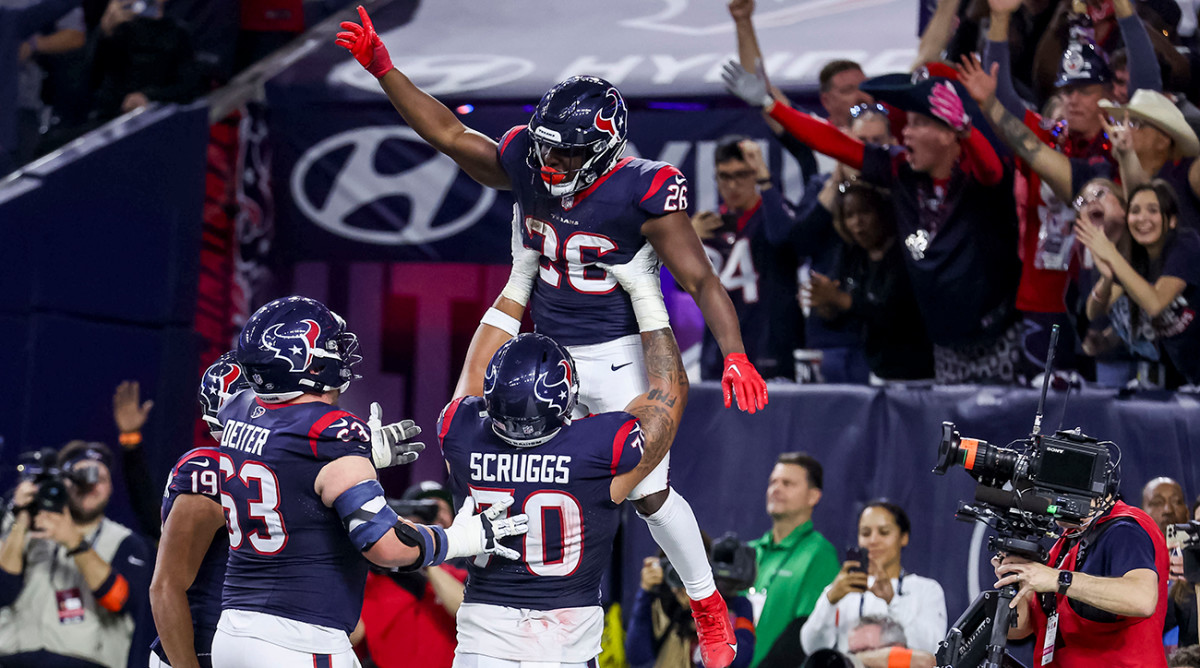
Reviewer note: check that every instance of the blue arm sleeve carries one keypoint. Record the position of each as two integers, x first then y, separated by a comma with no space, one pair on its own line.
10,587
1006,93
743,627
639,641
1143,64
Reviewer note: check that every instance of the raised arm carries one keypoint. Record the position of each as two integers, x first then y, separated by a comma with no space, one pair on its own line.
475,153
1052,166
937,33
997,51
503,320
822,136
1144,71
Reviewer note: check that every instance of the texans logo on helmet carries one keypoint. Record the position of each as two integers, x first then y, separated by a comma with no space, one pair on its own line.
489,379
303,344
554,394
609,124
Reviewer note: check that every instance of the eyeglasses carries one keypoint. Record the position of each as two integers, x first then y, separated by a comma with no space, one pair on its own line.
740,175
864,109
1093,195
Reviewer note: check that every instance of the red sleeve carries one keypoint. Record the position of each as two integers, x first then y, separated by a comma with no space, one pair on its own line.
626,448
820,135
982,161
508,136
446,418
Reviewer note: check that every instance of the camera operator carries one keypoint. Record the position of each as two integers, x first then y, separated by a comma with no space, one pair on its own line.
662,633
1102,598
71,580
409,618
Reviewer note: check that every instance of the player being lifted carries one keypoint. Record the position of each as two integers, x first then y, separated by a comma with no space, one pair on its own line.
302,501
578,203
569,477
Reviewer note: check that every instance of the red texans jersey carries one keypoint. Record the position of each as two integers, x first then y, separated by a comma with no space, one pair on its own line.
574,301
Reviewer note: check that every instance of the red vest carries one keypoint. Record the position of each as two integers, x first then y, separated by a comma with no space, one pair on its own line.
1129,642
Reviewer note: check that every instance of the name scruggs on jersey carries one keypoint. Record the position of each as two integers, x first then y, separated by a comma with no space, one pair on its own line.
491,467
244,437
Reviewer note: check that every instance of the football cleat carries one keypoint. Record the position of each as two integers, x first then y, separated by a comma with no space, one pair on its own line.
718,644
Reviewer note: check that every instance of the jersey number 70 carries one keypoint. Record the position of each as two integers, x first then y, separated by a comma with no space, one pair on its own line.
538,547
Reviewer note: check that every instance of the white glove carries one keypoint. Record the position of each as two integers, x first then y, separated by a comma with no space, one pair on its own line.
751,87
391,444
473,534
641,280
525,264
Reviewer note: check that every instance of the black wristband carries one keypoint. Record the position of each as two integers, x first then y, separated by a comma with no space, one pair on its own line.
765,181
82,547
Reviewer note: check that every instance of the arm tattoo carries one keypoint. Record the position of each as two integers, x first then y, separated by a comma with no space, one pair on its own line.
661,409
1019,137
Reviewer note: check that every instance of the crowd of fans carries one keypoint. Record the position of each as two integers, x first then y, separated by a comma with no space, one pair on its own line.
72,65
1037,167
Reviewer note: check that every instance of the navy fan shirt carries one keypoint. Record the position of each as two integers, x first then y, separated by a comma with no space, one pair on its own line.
198,472
563,485
289,554
575,302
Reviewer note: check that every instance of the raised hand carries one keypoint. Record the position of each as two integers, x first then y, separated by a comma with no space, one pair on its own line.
751,87
980,85
1104,252
1119,133
129,413
366,46
1004,6
752,152
741,10
706,223
391,445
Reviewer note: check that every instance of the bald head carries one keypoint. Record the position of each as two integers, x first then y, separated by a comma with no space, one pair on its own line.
1163,500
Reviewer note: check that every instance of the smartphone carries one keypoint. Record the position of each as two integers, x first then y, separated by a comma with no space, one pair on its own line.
857,554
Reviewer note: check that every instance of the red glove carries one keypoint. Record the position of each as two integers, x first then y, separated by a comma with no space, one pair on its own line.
742,379
366,46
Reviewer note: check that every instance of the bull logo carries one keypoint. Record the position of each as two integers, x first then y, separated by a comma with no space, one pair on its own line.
611,124
296,347
555,395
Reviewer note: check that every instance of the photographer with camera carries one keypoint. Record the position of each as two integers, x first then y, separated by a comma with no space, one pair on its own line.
1101,597
408,619
72,581
872,582
662,633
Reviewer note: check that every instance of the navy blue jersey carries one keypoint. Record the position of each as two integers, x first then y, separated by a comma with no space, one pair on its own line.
198,472
575,302
564,487
289,554
760,278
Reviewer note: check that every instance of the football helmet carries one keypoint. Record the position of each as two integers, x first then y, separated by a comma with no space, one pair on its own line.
295,345
529,389
583,120
221,381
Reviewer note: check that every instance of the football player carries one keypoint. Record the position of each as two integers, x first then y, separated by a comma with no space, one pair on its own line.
302,502
579,203
569,476
185,592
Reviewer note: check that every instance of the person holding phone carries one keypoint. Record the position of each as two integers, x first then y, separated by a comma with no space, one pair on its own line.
872,581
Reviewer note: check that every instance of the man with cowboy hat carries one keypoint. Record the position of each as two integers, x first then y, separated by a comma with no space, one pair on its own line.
1164,146
954,211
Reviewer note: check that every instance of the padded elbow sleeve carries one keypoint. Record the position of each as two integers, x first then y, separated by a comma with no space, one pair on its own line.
430,540
365,514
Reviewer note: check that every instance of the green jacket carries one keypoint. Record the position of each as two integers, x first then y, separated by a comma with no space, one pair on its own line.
793,573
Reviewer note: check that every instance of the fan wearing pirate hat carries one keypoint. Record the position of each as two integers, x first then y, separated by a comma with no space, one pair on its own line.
954,210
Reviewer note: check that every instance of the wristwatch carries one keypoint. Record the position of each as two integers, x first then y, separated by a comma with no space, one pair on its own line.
82,547
1064,581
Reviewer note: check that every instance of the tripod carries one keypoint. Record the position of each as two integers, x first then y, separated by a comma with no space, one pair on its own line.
979,637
